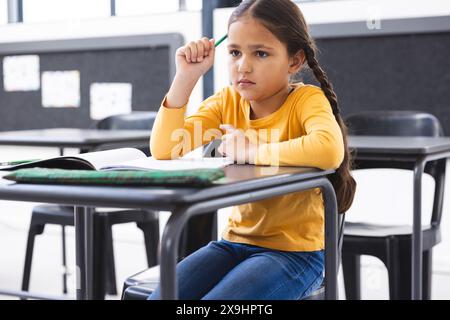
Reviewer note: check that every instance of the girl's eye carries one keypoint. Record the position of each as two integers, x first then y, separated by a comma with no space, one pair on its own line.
261,54
234,53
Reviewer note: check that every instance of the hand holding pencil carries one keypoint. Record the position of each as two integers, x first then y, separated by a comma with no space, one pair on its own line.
192,60
197,57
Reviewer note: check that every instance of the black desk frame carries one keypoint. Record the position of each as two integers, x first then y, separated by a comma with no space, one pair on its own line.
183,206
419,162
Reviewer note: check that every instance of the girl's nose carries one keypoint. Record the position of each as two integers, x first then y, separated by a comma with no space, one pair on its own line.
244,65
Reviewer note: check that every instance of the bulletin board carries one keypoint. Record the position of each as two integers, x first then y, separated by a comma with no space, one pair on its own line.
124,72
403,65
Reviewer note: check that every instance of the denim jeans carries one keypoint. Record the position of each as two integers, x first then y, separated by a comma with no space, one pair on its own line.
225,270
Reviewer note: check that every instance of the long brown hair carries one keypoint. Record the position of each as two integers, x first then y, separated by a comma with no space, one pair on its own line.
285,20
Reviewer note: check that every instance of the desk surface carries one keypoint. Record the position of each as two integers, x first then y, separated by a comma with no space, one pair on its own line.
238,179
399,145
70,137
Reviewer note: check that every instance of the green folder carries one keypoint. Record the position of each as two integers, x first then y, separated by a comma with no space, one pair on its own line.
194,177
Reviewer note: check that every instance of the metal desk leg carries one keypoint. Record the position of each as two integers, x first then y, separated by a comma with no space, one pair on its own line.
331,241
416,245
84,219
169,249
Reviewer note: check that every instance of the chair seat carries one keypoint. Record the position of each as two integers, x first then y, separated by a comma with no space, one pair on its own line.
140,285
64,215
378,230
139,292
150,275
53,214
358,231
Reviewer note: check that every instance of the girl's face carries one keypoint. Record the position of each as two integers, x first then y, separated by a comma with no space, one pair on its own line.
259,63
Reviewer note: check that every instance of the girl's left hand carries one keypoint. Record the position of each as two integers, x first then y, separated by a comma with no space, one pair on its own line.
236,145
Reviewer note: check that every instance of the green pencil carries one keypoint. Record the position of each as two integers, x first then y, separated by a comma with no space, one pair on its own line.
221,40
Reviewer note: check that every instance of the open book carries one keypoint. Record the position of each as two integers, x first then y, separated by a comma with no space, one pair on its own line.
121,159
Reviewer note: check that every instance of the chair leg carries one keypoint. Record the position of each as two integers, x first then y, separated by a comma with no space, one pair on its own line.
400,273
398,263
151,237
99,259
35,229
351,267
64,262
109,267
427,274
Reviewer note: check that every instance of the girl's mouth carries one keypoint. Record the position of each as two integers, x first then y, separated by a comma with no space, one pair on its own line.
245,83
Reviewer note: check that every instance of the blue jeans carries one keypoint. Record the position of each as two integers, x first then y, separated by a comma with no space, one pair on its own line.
235,271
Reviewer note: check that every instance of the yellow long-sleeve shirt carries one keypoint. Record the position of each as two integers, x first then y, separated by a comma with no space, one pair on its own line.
302,132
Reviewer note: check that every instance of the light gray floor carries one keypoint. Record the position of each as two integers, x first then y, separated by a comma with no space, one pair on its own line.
130,257
46,274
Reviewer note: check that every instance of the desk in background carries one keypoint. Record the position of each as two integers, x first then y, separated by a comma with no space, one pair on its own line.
417,151
83,139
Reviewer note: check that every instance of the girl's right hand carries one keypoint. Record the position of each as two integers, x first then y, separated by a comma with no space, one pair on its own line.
196,58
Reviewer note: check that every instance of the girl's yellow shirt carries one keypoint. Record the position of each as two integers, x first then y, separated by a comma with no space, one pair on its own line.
302,132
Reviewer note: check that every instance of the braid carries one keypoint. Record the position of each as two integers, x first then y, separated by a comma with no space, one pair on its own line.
322,77
342,181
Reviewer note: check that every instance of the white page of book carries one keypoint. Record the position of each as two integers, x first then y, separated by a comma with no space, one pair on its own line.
100,159
151,163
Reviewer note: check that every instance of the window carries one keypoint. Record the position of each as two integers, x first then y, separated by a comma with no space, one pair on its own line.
141,7
52,10
193,5
3,12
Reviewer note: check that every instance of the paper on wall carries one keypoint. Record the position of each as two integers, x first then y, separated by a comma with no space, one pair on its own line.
109,99
61,89
21,73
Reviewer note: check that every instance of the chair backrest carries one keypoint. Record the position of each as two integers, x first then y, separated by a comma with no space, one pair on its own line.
137,120
402,123
394,123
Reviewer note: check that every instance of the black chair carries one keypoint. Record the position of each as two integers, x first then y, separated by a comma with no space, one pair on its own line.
147,221
392,244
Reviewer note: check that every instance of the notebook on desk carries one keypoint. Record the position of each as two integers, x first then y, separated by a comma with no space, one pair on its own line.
100,168
118,159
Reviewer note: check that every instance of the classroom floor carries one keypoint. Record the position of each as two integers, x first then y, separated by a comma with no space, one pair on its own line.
46,276
130,257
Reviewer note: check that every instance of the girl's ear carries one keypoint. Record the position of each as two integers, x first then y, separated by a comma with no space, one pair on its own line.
296,62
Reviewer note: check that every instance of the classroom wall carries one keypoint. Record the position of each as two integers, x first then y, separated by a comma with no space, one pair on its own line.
186,23
189,25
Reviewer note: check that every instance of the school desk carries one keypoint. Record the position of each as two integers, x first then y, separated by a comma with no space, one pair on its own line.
83,139
242,184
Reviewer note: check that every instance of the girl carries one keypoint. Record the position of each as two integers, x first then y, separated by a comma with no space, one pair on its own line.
271,249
